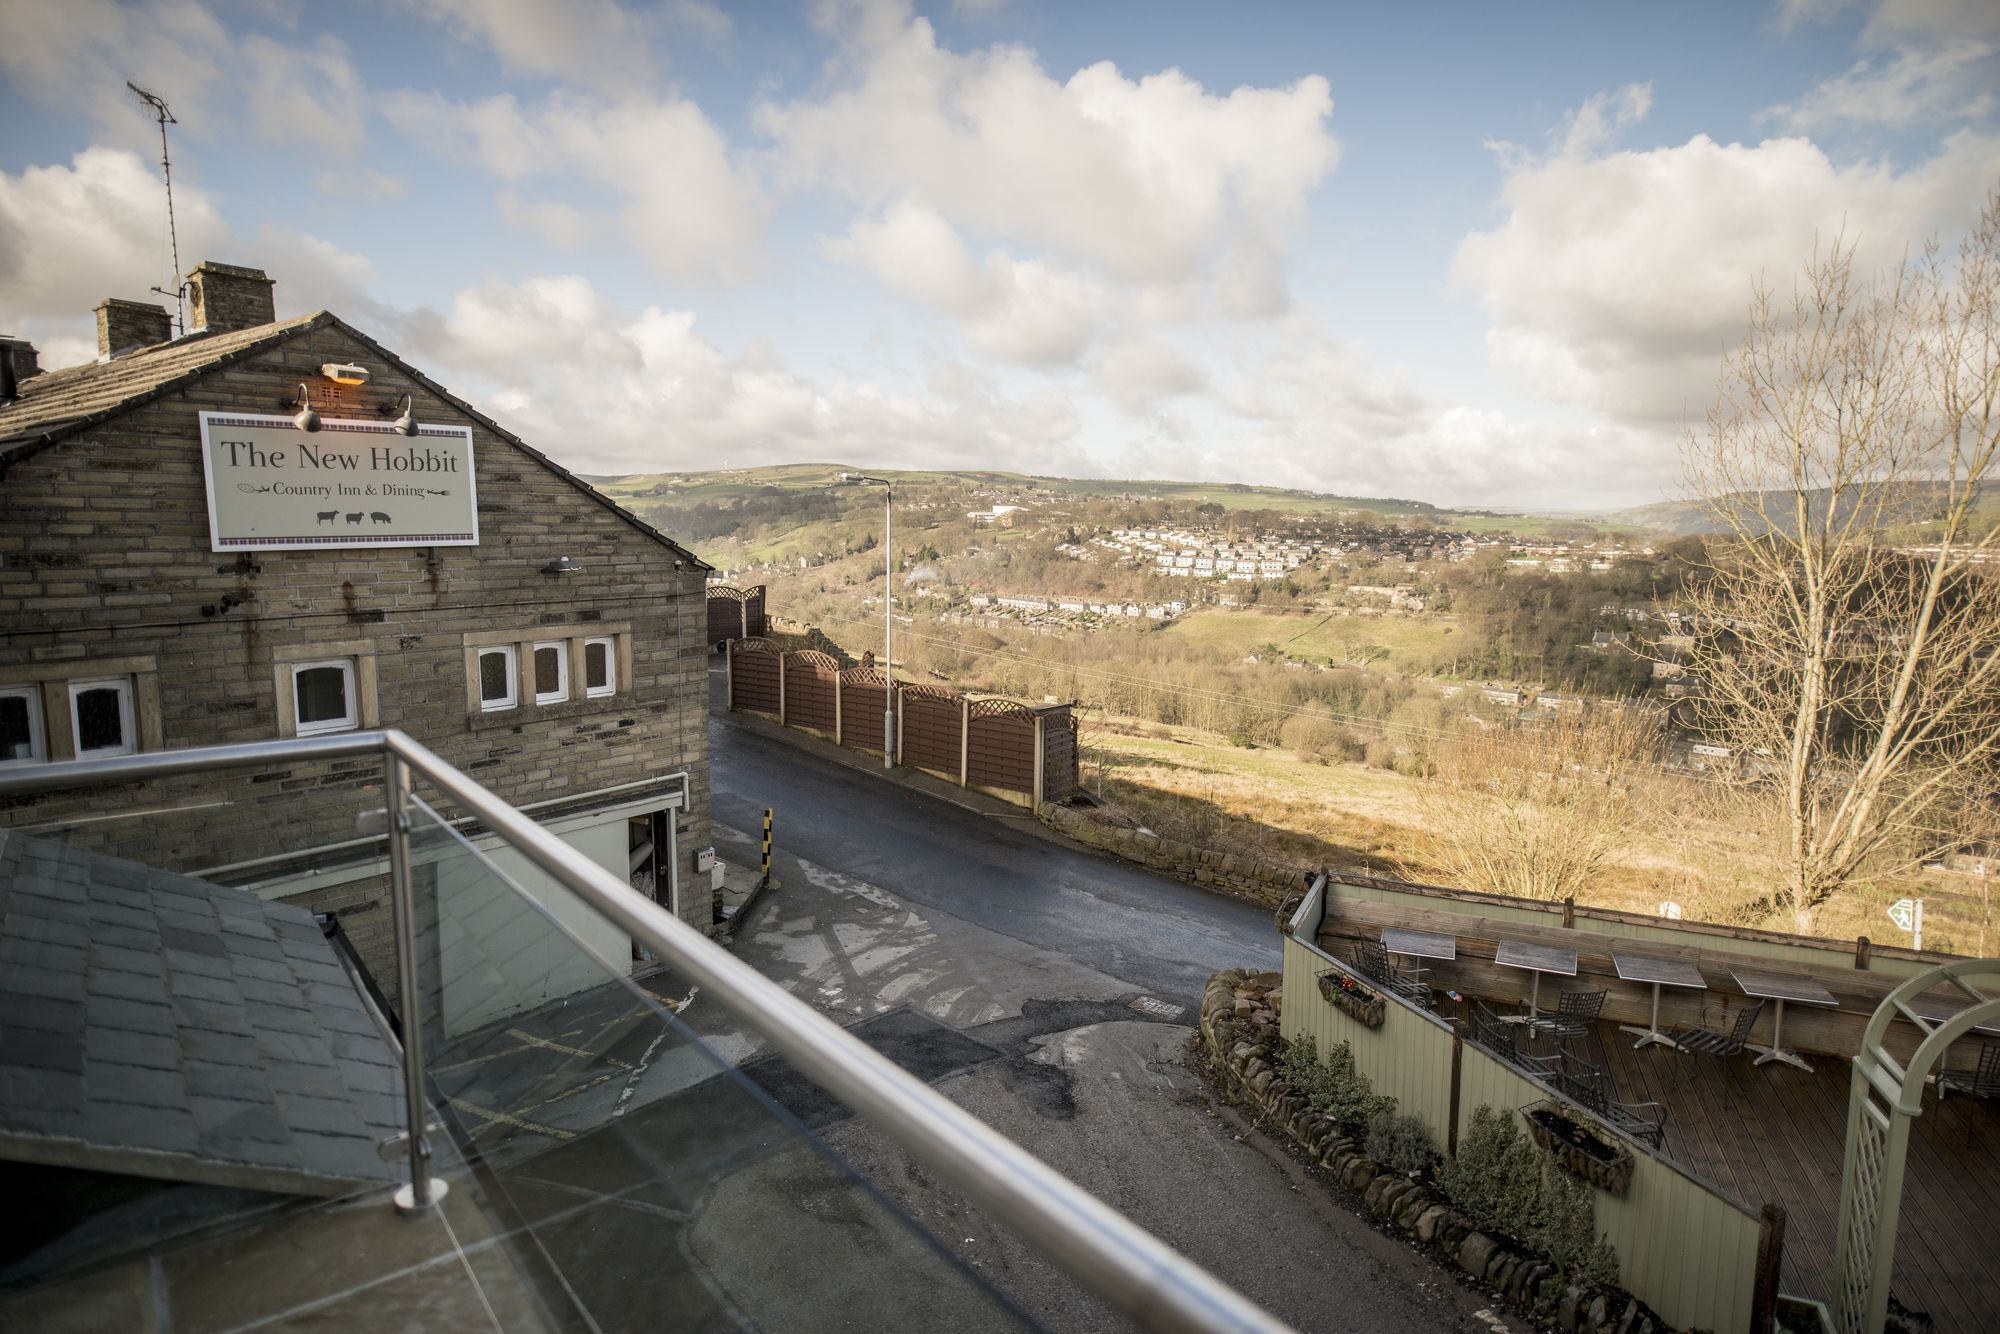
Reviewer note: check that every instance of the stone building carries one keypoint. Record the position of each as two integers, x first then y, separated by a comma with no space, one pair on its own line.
266,529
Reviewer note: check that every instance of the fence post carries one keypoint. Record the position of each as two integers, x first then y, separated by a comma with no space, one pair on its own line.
965,741
1041,757
743,616
1861,953
1457,1059
1569,910
836,704
1770,1257
896,699
729,675
781,688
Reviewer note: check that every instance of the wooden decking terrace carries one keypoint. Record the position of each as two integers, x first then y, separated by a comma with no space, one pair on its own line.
1774,1134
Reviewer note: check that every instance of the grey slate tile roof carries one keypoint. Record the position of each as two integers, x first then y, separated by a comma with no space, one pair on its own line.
157,1025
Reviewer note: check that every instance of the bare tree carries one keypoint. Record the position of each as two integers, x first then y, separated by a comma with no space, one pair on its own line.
1535,810
1849,615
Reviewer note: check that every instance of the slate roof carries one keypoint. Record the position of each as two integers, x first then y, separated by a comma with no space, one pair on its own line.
156,1025
51,407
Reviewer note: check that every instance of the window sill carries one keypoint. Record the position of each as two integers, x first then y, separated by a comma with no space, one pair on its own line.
522,715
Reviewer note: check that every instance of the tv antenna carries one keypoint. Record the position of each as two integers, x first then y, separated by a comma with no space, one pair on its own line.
166,118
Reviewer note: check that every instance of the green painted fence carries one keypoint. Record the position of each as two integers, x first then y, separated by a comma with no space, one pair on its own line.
1687,1250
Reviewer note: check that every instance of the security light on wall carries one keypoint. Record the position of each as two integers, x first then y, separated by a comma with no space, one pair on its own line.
407,423
307,419
344,372
563,565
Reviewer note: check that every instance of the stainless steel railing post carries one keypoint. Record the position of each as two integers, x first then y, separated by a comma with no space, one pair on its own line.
422,1192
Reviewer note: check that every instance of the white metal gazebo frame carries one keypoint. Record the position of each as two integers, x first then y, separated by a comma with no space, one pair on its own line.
1885,1097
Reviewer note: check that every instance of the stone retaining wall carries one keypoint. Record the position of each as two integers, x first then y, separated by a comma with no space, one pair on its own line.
1239,1030
1258,881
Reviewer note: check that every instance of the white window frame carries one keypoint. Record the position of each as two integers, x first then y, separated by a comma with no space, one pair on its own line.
346,722
559,647
127,719
38,737
512,657
610,686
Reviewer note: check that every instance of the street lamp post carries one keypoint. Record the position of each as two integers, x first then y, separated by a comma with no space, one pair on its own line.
888,587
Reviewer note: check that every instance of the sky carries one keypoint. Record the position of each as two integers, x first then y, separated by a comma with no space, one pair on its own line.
1467,253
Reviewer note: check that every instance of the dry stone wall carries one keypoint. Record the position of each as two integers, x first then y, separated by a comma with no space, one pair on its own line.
1259,881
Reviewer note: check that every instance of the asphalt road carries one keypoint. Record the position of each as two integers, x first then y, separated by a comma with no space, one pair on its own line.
1017,976
1161,935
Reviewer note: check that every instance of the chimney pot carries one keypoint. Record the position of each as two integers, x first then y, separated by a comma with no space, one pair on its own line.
228,297
18,362
123,326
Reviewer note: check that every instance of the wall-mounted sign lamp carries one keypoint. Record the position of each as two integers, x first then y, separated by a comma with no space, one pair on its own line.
563,565
307,420
344,372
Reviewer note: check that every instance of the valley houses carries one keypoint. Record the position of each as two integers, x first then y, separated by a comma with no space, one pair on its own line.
264,529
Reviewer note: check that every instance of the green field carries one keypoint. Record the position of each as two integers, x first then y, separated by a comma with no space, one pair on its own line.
1400,643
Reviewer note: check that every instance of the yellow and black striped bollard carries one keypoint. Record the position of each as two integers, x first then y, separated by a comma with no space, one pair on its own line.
767,848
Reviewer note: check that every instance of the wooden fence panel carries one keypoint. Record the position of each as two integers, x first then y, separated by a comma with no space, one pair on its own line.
1003,746
753,675
1060,777
861,694
931,729
809,690
735,613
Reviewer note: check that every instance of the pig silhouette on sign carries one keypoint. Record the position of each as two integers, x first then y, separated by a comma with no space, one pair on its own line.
378,516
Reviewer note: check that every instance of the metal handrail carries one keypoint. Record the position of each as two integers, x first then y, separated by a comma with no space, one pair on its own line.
1102,1249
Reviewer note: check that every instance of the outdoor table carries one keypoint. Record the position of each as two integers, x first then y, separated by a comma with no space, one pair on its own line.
1419,944
1537,959
1780,987
1939,1011
1659,972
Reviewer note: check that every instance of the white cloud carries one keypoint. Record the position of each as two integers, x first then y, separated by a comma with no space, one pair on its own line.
684,205
1892,21
1919,86
550,352
1616,281
1146,180
305,94
596,40
1140,372
1023,311
73,235
80,52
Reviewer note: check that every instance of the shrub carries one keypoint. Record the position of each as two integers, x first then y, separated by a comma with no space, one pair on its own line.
1334,1085
1504,1182
1400,1142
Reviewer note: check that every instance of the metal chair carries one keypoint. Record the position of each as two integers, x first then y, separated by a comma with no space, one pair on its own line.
1710,1042
1502,1039
1371,960
1981,1083
1575,1013
1589,1086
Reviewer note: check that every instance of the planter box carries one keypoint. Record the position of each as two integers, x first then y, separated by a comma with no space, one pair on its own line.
1346,994
1799,1315
1578,1147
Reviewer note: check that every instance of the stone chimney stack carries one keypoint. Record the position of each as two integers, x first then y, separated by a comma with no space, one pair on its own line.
18,362
124,325
228,297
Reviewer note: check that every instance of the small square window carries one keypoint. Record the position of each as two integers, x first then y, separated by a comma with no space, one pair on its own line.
323,696
600,669
499,687
551,673
101,717
21,737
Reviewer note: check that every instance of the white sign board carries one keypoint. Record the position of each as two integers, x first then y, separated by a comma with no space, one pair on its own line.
272,486
1903,912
